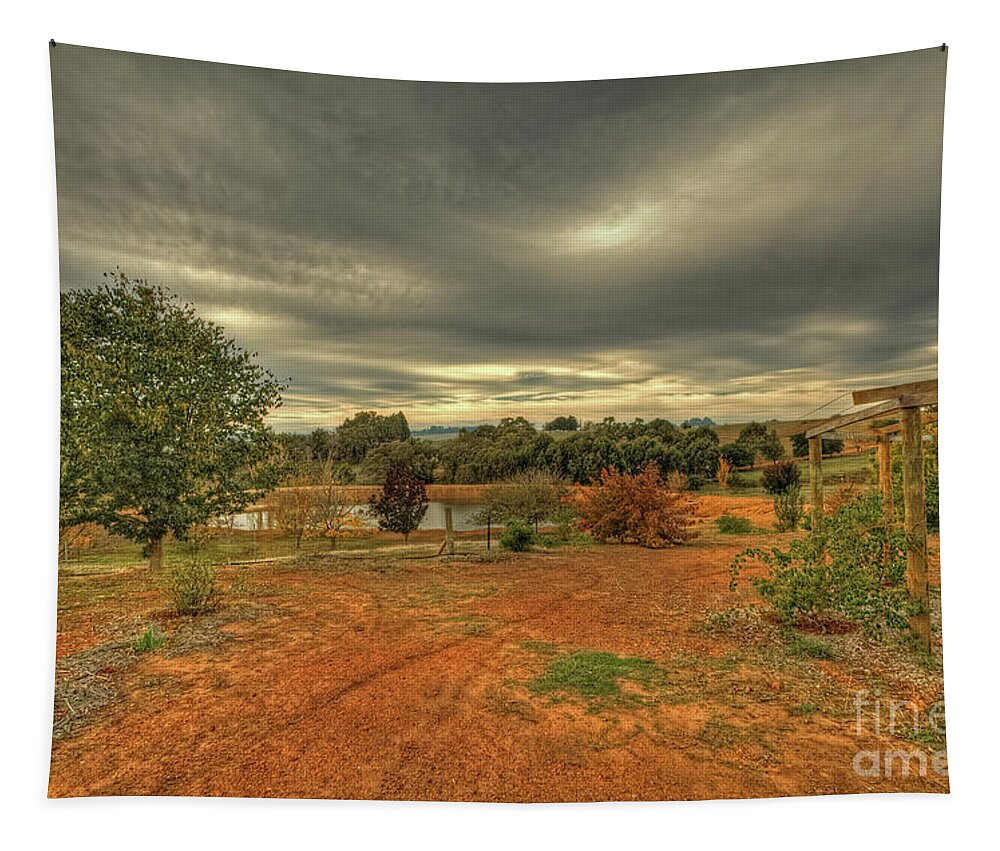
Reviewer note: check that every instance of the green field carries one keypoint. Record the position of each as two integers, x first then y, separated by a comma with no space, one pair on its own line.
855,467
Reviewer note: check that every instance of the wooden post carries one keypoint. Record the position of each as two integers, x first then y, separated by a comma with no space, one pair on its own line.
449,531
816,478
489,531
885,474
915,520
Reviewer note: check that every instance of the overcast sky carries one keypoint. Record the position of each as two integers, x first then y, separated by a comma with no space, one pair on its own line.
734,245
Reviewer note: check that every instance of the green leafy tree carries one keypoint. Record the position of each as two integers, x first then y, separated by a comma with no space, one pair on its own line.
162,415
321,444
402,502
532,496
757,439
800,445
772,448
364,431
737,455
562,424
419,455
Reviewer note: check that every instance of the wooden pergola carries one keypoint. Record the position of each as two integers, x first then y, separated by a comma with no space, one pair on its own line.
906,402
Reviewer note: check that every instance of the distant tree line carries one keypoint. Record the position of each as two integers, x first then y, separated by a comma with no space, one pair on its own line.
364,447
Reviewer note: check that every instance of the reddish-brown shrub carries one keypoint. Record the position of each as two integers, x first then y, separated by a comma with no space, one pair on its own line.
637,508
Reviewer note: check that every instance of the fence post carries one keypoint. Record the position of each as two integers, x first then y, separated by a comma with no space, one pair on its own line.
816,479
449,531
915,522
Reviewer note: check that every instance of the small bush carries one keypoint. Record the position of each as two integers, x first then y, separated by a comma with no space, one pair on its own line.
788,508
730,524
151,641
694,482
565,521
738,482
851,566
636,508
781,477
191,586
517,536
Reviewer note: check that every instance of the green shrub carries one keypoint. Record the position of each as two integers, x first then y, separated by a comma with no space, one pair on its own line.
738,482
931,477
731,524
564,519
695,482
191,586
851,566
517,536
788,508
781,477
150,641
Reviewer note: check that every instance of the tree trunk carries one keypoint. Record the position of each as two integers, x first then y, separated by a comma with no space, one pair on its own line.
156,554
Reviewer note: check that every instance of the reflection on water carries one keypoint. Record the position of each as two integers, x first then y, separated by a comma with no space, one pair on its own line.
433,519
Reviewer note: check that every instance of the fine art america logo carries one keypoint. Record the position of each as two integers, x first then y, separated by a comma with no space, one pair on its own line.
905,719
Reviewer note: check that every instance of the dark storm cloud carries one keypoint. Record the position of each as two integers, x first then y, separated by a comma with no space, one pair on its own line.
734,244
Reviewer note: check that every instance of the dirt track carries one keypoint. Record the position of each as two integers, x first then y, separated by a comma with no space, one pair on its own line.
410,680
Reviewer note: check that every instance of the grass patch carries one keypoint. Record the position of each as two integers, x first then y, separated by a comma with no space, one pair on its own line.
806,710
597,676
927,736
476,626
718,734
745,624
150,641
807,647
726,664
731,524
503,704
468,624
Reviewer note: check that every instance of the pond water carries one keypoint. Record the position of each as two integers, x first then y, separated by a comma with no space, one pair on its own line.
433,519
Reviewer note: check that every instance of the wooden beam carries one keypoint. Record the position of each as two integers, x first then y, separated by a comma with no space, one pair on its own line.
915,523
816,479
882,431
894,391
896,428
918,400
888,407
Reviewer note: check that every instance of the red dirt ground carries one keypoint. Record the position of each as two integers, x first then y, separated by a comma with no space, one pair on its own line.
408,679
